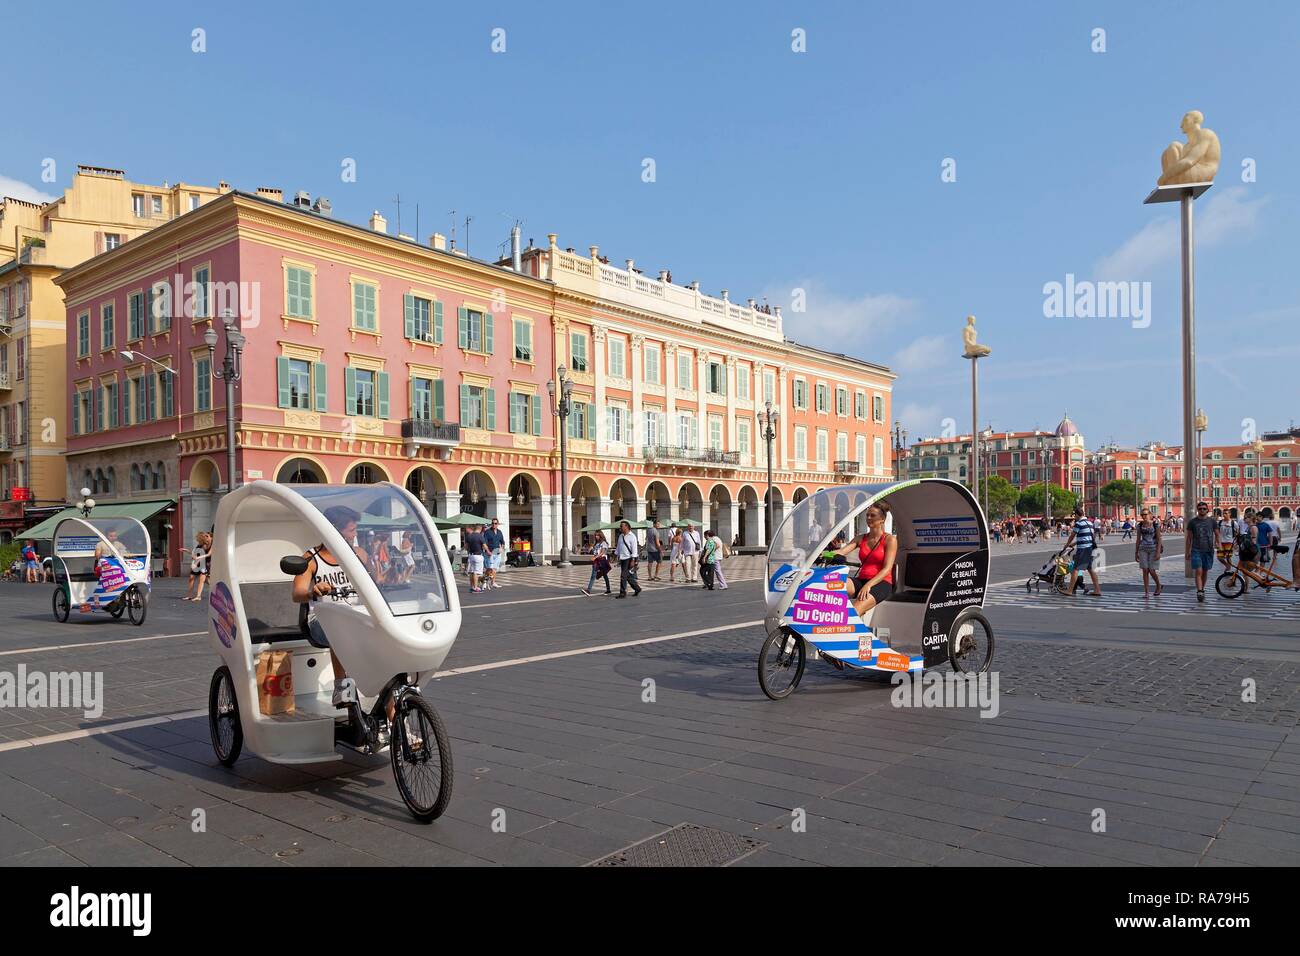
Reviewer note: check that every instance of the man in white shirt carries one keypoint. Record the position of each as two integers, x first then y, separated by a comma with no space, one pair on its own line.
690,548
626,549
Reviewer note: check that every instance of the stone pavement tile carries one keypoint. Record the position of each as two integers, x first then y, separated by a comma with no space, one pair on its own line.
614,823
1119,806
470,753
576,773
886,804
762,794
1290,808
46,856
1120,847
814,848
1157,784
1279,791
53,820
900,848
682,793
670,814
1041,854
791,782
92,798
561,784
1287,840
898,821
1251,853
471,807
1267,820
177,839
997,786
579,841
1208,755
769,857
645,759
1170,768
965,857
810,764
118,849
1119,826
15,839
522,797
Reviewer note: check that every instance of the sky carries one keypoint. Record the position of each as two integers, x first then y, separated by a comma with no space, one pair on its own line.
908,166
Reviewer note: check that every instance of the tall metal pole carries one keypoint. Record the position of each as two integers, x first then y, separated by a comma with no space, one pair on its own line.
975,426
1189,362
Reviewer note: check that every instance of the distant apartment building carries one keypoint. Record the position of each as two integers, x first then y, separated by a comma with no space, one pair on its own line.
99,212
373,357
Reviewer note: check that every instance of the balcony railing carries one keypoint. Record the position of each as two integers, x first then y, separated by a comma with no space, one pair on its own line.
4,380
847,466
699,457
4,443
423,431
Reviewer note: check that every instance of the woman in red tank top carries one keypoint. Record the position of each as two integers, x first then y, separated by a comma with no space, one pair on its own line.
877,552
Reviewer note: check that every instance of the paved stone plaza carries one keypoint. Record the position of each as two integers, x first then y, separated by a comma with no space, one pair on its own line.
1104,705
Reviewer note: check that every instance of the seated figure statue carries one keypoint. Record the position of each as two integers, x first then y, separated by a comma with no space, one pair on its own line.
973,349
1195,161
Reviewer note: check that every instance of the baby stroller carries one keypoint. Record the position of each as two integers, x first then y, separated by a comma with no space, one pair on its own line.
1056,573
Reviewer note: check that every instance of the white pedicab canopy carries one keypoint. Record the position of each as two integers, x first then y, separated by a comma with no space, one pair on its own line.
123,538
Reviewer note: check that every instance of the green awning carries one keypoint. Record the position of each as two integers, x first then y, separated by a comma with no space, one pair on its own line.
139,510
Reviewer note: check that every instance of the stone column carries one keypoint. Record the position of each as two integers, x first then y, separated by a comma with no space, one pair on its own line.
598,361
701,397
785,426
546,534
636,425
670,394
449,507
755,521
729,426
728,521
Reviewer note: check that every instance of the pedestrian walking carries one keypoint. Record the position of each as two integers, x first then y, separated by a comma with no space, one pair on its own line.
31,562
707,552
200,564
494,543
715,560
653,553
475,546
1147,550
675,559
690,551
1201,543
600,565
1083,537
626,550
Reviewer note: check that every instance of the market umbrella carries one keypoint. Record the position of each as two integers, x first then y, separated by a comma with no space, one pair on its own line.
460,520
691,522
604,526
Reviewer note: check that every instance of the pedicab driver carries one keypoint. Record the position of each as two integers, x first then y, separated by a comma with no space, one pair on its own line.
325,579
877,552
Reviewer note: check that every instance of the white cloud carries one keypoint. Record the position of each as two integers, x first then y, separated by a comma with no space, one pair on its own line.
1227,216
836,322
920,421
20,190
923,353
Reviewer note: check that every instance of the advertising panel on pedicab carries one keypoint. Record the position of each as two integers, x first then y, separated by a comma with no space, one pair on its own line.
959,586
821,605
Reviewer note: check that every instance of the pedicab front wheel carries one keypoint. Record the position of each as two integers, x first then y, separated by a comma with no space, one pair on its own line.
781,663
421,755
137,605
223,717
1230,584
61,606
970,642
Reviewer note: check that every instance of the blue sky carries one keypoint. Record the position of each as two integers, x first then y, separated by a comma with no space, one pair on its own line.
775,170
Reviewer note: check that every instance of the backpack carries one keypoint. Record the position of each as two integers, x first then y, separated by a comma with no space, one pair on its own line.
1247,549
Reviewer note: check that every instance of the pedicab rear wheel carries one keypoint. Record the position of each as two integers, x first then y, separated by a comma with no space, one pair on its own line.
421,755
781,663
970,642
137,604
116,609
223,717
61,606
1230,584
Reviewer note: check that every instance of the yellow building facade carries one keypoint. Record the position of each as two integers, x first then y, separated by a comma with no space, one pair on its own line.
100,211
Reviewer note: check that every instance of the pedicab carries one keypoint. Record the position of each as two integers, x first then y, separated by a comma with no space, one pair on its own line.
390,634
933,615
101,564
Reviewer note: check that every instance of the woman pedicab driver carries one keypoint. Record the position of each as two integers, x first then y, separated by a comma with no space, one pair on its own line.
877,552
324,579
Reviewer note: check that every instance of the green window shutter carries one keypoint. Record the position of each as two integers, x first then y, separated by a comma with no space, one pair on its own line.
437,322
76,413
491,408
512,403
464,403
487,332
536,402
381,386
321,386
408,313
695,432
410,398
282,379
462,327
591,422
350,391
439,403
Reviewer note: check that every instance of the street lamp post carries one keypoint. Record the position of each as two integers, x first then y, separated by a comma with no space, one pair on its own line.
767,422
230,373
1202,423
87,503
900,442
561,406
1258,448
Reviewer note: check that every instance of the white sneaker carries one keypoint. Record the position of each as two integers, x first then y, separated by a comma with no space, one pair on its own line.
345,692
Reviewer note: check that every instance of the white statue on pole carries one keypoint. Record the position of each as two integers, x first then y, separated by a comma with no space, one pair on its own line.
1195,161
973,348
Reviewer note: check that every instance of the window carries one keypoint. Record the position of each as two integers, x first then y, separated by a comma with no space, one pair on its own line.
478,407
299,382
202,383
83,335
684,377
112,407
842,444
877,408
135,316
194,201
167,393
617,357
800,393
800,445
742,437
715,432
769,387
365,393
525,414
578,351
427,399
83,421
860,405
158,304
688,430
651,355
582,424
717,384
823,443
156,205
823,398
422,319
137,204
523,340
614,419
650,428
365,308
842,402
474,330
742,382
202,293
298,292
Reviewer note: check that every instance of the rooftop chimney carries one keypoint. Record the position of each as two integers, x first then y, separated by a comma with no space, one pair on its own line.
302,199
516,258
377,222
438,241
271,193
322,206
223,186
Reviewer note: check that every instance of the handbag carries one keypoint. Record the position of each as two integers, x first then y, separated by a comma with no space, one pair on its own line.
601,564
